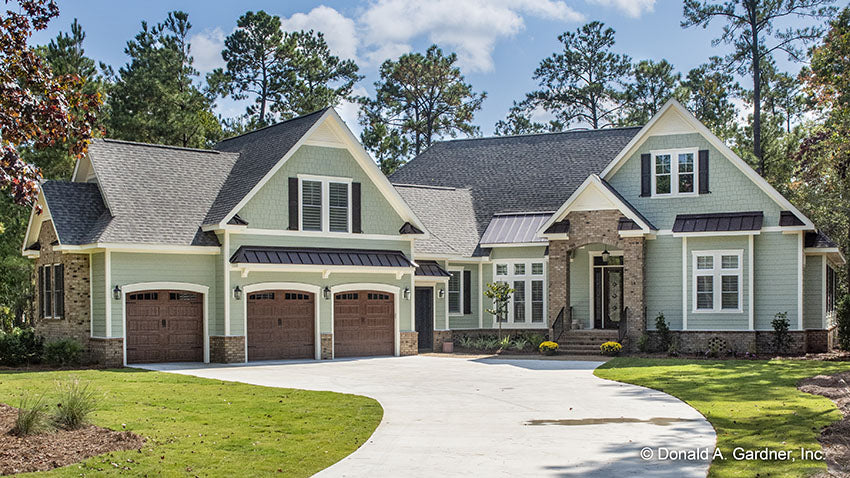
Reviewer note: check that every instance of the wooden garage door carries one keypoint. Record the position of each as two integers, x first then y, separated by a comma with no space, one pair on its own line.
165,326
281,325
363,323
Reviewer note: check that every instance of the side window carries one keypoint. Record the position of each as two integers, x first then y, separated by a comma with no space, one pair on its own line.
311,205
52,295
455,288
338,207
717,281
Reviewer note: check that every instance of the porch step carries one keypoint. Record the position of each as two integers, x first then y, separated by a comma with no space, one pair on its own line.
585,342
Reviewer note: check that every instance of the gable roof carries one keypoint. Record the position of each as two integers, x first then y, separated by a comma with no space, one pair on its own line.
75,209
449,215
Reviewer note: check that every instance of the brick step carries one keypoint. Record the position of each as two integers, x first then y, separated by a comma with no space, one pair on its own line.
584,341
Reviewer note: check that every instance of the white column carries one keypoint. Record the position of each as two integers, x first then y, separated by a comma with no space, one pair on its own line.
751,265
480,296
800,265
225,256
684,283
107,260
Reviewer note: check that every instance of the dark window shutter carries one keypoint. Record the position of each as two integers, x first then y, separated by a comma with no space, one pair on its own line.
293,204
467,292
59,290
645,174
356,225
41,291
703,172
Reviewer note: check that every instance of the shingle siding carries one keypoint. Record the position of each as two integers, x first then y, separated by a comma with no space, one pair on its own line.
813,293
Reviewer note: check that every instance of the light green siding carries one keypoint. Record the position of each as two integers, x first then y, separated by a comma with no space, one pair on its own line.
730,189
507,253
467,321
269,208
98,295
716,320
776,277
487,320
663,278
813,293
133,268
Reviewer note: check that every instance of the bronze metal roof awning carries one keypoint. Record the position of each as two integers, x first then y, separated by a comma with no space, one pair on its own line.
320,257
626,224
430,269
788,218
719,222
520,228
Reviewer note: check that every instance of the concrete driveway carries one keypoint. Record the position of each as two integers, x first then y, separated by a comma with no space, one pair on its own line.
493,417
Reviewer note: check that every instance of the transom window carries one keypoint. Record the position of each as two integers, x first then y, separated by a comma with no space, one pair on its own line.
718,281
528,303
325,204
674,172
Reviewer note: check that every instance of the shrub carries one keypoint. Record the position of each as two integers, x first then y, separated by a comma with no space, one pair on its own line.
781,339
610,348
32,416
76,403
842,316
63,352
520,343
548,348
505,342
535,340
466,342
663,330
673,349
491,343
643,342
20,346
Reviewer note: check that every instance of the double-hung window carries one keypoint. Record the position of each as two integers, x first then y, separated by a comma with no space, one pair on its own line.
51,282
674,172
325,204
527,279
456,291
717,281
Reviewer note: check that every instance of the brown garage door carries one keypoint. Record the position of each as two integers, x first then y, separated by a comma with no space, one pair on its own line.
363,323
165,326
281,325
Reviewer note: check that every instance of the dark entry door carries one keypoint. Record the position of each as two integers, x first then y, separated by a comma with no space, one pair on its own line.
607,297
425,317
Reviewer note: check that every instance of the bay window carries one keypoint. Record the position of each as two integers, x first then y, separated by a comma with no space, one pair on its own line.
527,278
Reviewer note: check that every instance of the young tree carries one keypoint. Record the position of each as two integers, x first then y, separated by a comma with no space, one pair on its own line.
752,30
580,84
154,99
423,97
707,92
654,84
501,294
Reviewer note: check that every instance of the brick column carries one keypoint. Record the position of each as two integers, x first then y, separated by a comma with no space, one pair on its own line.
634,287
559,284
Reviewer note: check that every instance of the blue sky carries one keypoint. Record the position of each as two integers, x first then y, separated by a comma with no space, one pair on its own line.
499,42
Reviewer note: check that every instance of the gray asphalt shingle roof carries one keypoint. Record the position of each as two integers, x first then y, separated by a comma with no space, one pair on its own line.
75,208
449,216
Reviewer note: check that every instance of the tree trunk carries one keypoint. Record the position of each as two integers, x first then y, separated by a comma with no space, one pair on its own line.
754,47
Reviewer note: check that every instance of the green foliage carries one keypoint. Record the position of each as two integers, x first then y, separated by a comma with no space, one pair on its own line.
781,338
63,352
654,83
611,348
842,316
500,293
423,97
32,416
20,346
16,283
505,342
663,330
520,343
707,92
518,121
643,342
535,340
388,146
76,402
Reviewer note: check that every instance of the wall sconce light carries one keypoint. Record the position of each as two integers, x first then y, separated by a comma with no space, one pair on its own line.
605,255
407,293
441,293
237,293
116,293
326,293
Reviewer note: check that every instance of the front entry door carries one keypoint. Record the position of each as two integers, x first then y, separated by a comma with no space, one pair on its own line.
607,295
425,317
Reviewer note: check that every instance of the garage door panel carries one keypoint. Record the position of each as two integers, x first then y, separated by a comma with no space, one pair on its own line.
364,324
164,326
281,325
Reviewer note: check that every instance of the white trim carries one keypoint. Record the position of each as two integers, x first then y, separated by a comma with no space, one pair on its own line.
715,233
325,204
187,286
751,266
717,272
107,260
674,172
527,278
481,295
516,244
45,216
446,298
459,313
91,298
718,144
800,265
140,248
227,292
395,290
591,286
824,322
685,283
313,289
465,259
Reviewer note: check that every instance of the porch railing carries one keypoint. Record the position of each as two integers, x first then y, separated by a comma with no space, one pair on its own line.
561,324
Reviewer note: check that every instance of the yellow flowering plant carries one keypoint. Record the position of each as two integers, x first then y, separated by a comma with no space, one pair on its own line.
611,348
548,348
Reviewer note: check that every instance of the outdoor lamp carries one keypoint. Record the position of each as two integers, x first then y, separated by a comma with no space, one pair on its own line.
116,293
605,255
407,293
441,293
237,293
326,293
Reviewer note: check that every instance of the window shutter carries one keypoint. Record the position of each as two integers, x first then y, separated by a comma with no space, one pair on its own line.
703,172
59,290
41,291
646,175
293,204
356,225
467,292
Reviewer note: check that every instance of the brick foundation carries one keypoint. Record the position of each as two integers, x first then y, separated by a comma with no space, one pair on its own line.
227,349
408,343
106,352
479,332
741,342
441,336
327,346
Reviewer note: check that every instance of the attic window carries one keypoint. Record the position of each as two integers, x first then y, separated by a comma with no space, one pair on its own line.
325,204
674,172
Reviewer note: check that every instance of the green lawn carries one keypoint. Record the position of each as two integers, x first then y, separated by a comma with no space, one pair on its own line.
751,404
200,427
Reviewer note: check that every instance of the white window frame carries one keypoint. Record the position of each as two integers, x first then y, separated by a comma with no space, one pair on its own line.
326,205
674,172
717,272
459,312
528,278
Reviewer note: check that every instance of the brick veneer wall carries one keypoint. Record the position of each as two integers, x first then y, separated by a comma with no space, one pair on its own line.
76,323
441,336
106,352
697,342
327,346
227,349
599,227
408,343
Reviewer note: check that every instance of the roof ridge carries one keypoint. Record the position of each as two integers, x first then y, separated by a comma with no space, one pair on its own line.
424,186
162,146
274,125
547,133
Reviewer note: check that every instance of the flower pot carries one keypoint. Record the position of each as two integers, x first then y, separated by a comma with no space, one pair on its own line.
448,347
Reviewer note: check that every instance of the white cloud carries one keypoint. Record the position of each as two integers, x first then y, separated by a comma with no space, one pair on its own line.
348,111
632,8
339,31
206,49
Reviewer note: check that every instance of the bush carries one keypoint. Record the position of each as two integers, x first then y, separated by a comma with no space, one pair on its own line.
535,340
643,342
466,342
491,343
520,343
20,346
76,403
781,339
663,330
548,348
611,348
842,316
32,416
673,350
505,342
63,352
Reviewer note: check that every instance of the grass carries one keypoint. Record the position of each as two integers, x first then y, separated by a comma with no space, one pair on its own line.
201,427
751,404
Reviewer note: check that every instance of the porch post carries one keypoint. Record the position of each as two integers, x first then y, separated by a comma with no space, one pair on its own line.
634,287
559,284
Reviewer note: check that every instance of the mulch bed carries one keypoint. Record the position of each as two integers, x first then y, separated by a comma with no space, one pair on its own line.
57,448
834,438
